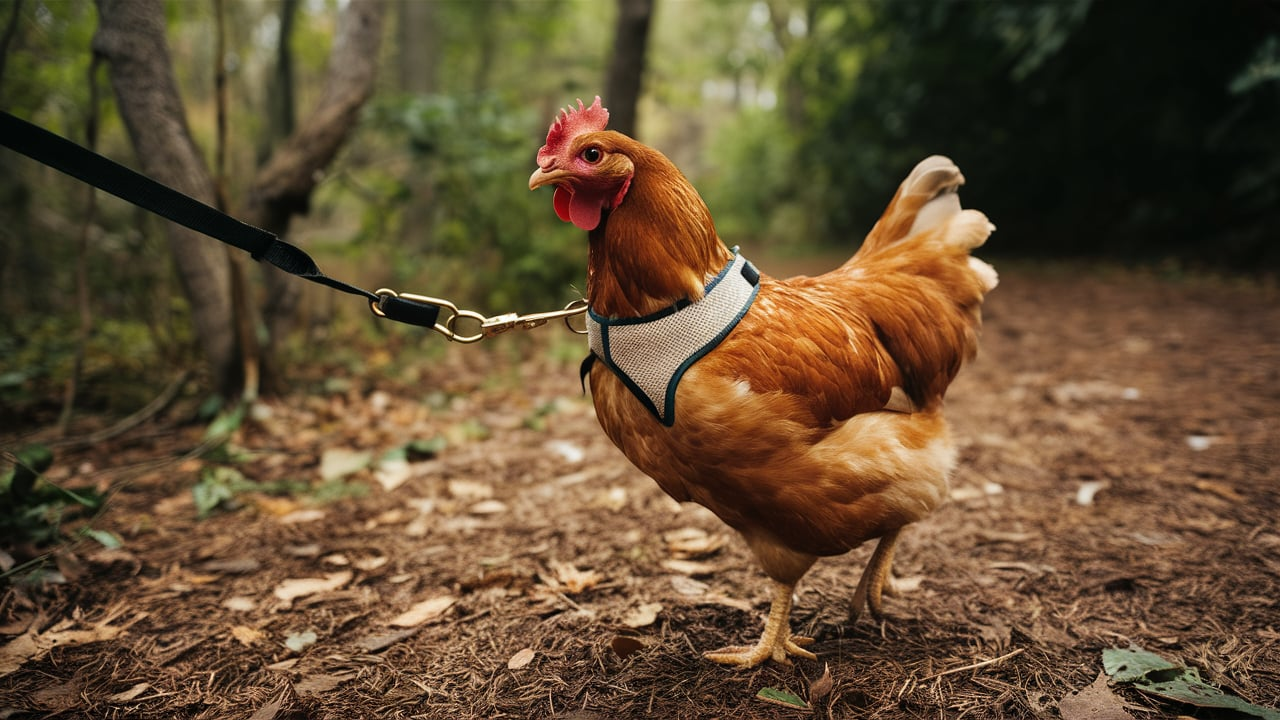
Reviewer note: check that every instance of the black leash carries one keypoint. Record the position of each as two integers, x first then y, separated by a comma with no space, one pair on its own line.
109,176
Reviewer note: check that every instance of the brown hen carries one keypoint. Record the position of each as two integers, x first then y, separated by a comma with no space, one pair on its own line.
810,421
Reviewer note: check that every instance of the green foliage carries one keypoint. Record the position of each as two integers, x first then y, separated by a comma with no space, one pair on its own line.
33,508
487,237
1084,128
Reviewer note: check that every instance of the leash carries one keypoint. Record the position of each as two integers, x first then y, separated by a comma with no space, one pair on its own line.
131,186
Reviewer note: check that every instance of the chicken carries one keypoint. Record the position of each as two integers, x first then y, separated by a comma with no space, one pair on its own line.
808,416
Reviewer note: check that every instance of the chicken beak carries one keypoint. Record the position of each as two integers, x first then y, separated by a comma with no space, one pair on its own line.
542,177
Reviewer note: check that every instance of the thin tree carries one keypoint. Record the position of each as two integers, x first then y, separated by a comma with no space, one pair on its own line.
131,38
626,68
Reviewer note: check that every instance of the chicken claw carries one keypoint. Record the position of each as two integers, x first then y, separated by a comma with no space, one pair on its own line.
751,655
875,578
776,642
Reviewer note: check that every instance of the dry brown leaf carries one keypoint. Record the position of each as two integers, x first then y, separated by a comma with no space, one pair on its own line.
625,645
371,563
1095,702
691,542
294,588
33,645
574,580
488,507
246,635
470,490
688,586
313,685
520,659
130,694
821,687
642,616
424,611
692,568
240,603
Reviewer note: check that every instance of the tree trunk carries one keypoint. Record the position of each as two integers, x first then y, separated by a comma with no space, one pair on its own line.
283,186
130,37
418,52
626,69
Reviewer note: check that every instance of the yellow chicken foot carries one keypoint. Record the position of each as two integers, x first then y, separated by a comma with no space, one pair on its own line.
875,578
776,642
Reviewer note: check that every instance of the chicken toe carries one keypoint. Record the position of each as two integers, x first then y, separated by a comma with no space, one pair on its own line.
875,578
776,642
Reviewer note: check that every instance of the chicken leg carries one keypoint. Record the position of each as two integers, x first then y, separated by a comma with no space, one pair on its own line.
776,642
875,578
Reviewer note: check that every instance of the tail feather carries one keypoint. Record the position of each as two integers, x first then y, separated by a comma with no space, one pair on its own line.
926,199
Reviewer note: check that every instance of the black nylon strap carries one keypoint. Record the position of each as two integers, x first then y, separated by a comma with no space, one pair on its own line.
109,176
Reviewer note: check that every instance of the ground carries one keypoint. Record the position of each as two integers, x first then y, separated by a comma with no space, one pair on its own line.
1117,487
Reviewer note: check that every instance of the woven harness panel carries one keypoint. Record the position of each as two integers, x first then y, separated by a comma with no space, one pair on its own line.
650,354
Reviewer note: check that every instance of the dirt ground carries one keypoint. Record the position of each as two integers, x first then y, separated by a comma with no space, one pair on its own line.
1117,487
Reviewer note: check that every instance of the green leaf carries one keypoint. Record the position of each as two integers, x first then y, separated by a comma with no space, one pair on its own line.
1154,675
227,422
1130,665
426,448
32,460
106,539
782,697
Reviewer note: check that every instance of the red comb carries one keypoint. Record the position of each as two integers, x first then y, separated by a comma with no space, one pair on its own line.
572,123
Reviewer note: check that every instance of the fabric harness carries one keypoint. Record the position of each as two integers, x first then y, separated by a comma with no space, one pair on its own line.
650,354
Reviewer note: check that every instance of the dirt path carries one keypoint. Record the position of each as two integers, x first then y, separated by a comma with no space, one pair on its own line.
1118,486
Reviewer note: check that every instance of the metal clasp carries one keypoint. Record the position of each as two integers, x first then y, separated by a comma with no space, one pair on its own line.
486,326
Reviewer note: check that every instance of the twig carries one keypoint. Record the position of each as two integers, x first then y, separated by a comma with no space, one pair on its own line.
149,411
974,666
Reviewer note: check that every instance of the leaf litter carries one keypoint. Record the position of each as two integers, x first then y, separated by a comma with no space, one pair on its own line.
1012,563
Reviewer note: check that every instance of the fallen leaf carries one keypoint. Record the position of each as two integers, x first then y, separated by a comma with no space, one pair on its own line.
232,566
246,635
571,452
625,645
130,694
336,463
382,641
469,490
298,641
690,567
688,586
1154,675
573,579
302,516
294,588
371,563
1094,702
1087,491
520,659
392,473
488,507
642,616
240,603
424,611
313,685
691,542
33,646
821,687
781,697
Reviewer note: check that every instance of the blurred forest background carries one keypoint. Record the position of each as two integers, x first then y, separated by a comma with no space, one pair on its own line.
393,141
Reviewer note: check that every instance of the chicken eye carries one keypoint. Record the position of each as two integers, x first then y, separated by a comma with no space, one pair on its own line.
592,155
